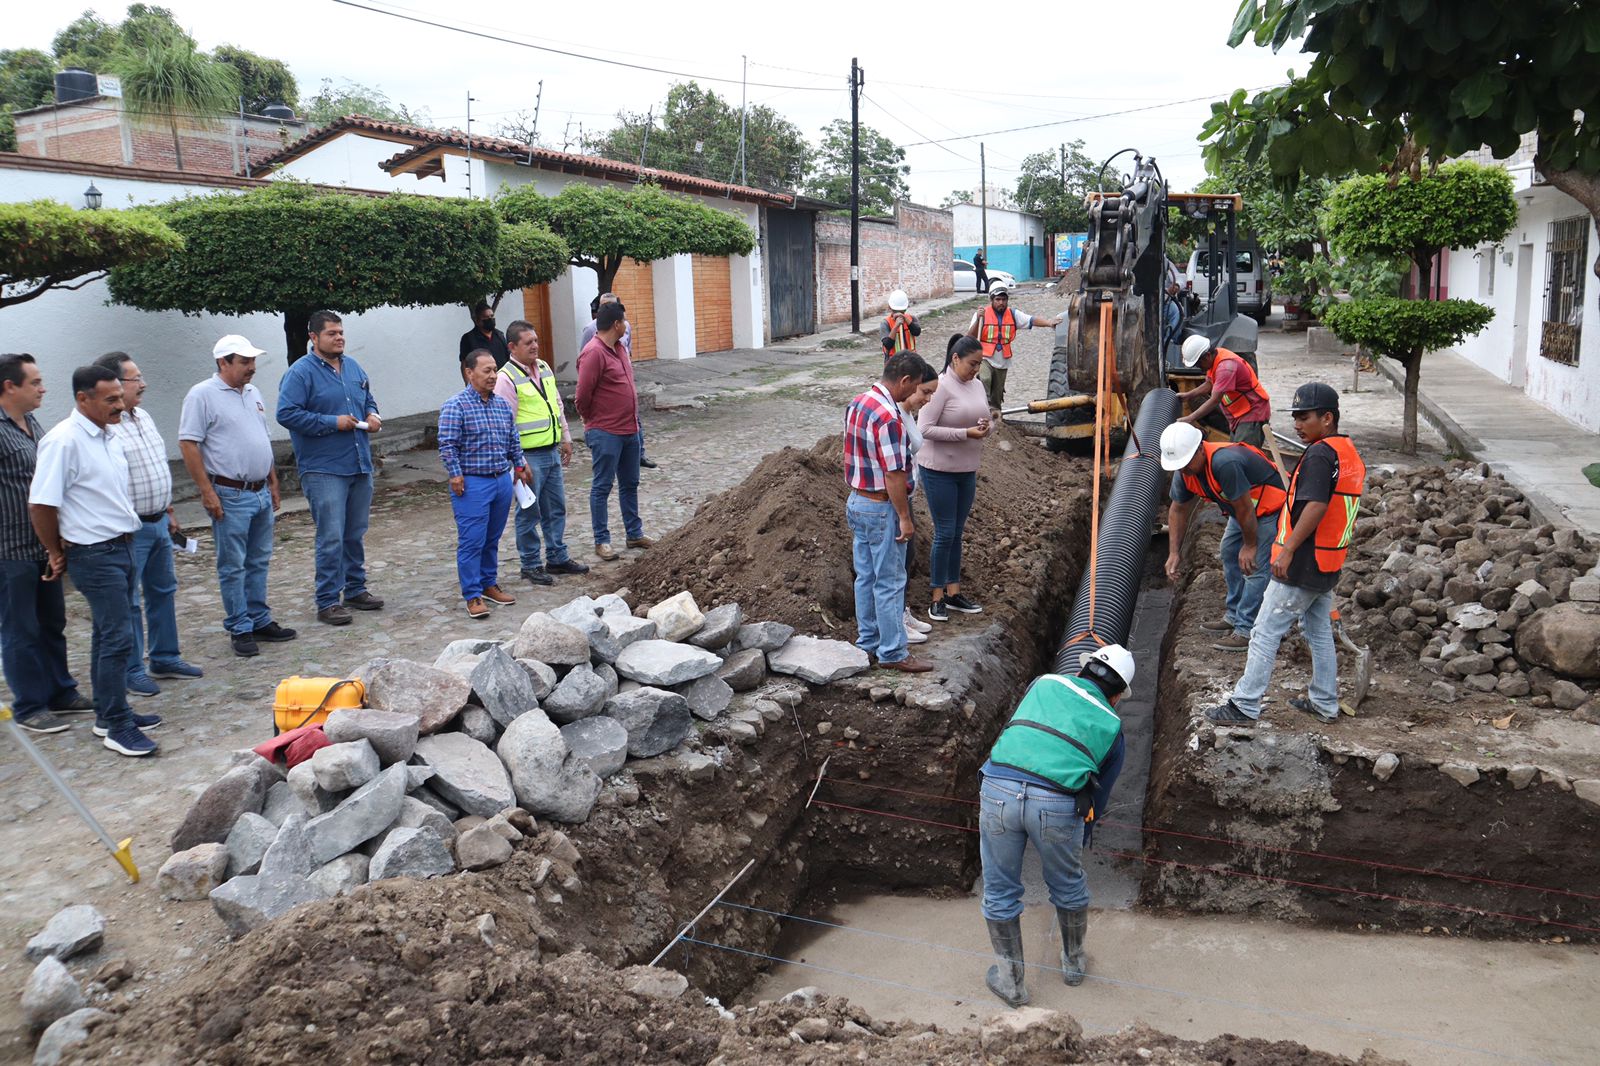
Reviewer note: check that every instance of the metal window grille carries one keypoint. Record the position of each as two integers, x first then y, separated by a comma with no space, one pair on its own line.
1566,254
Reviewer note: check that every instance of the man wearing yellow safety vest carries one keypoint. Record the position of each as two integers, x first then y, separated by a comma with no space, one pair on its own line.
1047,776
1231,385
1324,499
528,384
995,327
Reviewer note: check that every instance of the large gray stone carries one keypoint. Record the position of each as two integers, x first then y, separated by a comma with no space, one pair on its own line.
608,673
549,781
612,606
70,931
581,693
1472,616
415,814
459,648
340,876
615,632
707,696
469,776
663,663
554,643
290,852
744,670
248,902
1564,638
721,625
476,723
600,742
481,847
342,767
411,852
436,801
817,660
417,776
192,874
240,790
51,992
66,1033
656,720
282,802
392,735
366,813
503,688
248,842
543,676
765,636
677,617
405,687
580,613
314,798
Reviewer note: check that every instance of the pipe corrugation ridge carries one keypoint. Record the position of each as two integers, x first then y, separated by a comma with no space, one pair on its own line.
1125,528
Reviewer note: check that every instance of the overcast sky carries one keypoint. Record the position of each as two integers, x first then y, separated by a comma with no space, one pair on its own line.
940,71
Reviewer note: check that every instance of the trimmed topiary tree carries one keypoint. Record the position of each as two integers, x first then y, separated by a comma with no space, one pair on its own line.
47,245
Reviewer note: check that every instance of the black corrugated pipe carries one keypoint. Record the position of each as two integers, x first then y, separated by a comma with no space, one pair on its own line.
1125,528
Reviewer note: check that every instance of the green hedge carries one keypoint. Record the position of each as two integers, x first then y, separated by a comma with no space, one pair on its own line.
45,244
1400,328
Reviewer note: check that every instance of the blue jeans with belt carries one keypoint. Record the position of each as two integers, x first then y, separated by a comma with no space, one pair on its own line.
1013,815
33,639
548,513
341,508
154,597
104,574
481,512
615,458
880,564
244,551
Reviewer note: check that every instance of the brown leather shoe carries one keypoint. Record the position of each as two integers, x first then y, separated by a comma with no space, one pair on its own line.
909,665
498,595
363,601
476,608
641,542
606,552
335,615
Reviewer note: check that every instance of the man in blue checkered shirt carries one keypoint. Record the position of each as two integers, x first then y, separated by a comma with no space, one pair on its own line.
479,446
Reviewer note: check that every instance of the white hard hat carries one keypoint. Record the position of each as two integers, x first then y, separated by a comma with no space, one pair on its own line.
996,288
898,300
1194,348
1117,658
233,344
1179,442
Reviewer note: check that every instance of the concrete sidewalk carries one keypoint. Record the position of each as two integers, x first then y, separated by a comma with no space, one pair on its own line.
1536,449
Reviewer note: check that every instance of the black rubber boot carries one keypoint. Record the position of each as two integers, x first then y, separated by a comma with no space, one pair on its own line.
1074,927
1006,978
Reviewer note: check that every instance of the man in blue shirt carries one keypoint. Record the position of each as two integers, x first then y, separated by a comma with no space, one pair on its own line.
1049,773
326,405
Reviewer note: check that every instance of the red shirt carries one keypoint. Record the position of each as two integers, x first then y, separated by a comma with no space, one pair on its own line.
606,397
874,440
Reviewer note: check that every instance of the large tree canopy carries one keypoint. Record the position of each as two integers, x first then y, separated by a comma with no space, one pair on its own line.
1054,184
605,224
883,169
262,81
46,245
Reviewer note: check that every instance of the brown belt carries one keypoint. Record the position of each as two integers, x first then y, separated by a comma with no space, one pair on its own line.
881,497
230,483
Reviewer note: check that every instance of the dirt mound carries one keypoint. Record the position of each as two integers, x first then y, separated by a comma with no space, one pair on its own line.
1067,283
778,545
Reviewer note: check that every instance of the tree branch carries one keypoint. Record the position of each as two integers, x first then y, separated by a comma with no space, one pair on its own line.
1582,187
45,285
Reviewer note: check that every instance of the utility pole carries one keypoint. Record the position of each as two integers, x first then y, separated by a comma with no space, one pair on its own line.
244,137
857,79
469,144
1063,170
533,138
744,97
644,146
983,199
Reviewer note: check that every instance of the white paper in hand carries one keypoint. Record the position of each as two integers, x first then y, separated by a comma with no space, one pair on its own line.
363,425
524,494
190,546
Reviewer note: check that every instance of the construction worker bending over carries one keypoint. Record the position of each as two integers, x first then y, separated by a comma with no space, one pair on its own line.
1241,481
1324,499
1232,385
1051,769
995,327
899,330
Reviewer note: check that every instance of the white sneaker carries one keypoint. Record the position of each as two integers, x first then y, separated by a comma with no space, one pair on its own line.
915,624
913,637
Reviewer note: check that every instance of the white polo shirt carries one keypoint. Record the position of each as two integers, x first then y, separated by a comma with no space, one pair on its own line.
82,472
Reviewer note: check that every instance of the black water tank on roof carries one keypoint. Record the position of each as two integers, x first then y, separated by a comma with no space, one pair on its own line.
280,111
75,83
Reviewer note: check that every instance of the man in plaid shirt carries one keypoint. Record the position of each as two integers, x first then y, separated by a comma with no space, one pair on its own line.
479,446
875,466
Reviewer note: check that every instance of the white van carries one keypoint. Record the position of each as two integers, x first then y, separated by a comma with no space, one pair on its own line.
1254,282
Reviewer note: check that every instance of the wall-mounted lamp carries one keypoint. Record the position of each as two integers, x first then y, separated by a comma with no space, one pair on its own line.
91,197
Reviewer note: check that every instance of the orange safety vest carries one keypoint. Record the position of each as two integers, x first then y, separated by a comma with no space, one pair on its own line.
1238,404
997,332
900,334
1331,541
1268,499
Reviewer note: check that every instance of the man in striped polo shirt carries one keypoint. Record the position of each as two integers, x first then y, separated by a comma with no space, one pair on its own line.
875,467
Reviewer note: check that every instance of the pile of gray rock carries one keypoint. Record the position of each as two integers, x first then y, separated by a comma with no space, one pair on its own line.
1448,565
448,765
55,1003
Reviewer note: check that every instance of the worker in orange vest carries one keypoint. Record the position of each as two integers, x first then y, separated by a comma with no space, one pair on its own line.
1324,499
1231,384
898,332
995,327
1249,490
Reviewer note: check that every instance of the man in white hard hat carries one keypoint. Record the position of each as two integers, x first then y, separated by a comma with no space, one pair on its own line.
994,328
1244,484
1050,771
899,330
1231,384
222,434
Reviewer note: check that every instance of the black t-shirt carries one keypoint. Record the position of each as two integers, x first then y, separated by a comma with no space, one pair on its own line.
1314,482
495,343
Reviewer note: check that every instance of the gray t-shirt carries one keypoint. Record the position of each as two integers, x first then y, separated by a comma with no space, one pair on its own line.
230,426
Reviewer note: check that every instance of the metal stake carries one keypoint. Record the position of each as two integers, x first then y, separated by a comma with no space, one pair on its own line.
714,901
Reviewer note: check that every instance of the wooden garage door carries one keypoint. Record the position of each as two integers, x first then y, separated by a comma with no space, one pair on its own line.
636,289
713,304
536,312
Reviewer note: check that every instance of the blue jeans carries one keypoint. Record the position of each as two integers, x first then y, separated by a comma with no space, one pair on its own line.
481,513
949,502
1244,593
33,639
104,574
616,458
244,550
880,563
549,512
1281,607
156,608
1171,321
341,507
1013,815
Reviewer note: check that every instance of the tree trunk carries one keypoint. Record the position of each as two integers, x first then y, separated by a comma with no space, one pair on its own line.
606,272
1408,426
177,148
1582,187
295,336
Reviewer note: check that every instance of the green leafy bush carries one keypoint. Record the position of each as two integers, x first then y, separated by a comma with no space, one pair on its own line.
47,245
1398,328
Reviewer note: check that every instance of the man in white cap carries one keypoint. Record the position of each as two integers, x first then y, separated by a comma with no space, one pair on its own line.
1248,489
222,434
995,327
899,330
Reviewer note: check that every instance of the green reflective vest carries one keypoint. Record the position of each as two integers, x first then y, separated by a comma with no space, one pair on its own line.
538,405
1061,731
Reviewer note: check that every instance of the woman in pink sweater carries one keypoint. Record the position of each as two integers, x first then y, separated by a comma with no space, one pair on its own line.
953,424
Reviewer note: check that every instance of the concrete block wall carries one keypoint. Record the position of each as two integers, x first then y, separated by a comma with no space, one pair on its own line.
912,253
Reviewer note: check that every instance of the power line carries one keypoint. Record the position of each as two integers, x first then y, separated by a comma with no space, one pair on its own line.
914,132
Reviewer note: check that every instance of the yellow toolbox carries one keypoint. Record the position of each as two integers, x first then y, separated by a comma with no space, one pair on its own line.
302,701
